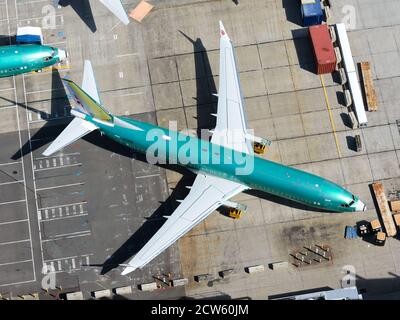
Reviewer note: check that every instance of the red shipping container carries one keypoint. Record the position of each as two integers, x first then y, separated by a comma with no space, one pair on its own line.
324,52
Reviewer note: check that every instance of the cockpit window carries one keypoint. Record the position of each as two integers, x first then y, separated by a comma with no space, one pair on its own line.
351,203
47,58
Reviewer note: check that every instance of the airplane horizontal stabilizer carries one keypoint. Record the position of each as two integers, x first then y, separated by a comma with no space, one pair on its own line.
77,129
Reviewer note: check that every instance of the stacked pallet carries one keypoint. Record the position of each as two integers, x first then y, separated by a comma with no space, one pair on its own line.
384,209
369,89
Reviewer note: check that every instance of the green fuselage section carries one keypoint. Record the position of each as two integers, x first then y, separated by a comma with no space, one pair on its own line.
252,171
18,59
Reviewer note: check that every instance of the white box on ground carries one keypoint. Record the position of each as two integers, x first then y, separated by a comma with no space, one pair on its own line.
179,282
148,286
254,269
123,290
279,265
101,294
74,295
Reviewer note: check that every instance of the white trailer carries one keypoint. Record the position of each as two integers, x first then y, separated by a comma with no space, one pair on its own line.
354,85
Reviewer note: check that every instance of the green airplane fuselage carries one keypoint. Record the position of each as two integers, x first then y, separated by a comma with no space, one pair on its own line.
252,171
18,59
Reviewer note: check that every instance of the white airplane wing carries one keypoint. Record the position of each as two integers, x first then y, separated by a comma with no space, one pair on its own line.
206,195
74,131
115,6
89,82
231,128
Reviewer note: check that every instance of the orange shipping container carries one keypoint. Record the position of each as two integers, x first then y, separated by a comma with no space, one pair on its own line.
324,52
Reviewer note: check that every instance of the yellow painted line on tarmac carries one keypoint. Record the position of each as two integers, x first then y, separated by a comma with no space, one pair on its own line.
51,68
57,67
331,116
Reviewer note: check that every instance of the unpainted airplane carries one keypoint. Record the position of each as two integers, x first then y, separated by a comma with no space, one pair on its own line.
217,177
28,56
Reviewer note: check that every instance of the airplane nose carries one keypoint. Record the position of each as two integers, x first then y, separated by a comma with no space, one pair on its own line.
360,206
62,55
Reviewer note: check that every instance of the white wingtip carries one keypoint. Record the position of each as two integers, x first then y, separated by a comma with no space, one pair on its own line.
47,152
128,270
222,31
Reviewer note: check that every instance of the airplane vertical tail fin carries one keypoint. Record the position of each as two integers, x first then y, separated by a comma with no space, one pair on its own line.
89,84
87,98
87,103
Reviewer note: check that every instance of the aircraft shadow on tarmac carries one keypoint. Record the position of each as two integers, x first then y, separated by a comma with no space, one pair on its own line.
56,120
83,10
6,40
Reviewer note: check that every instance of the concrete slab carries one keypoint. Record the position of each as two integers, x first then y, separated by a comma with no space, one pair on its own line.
384,165
252,84
359,42
288,126
273,55
264,128
254,215
396,135
316,122
294,151
276,213
255,247
356,169
278,80
381,40
311,100
284,104
248,58
387,64
322,147
167,96
163,70
378,139
9,120
257,108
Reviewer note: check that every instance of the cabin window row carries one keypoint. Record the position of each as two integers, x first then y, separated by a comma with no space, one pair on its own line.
13,69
